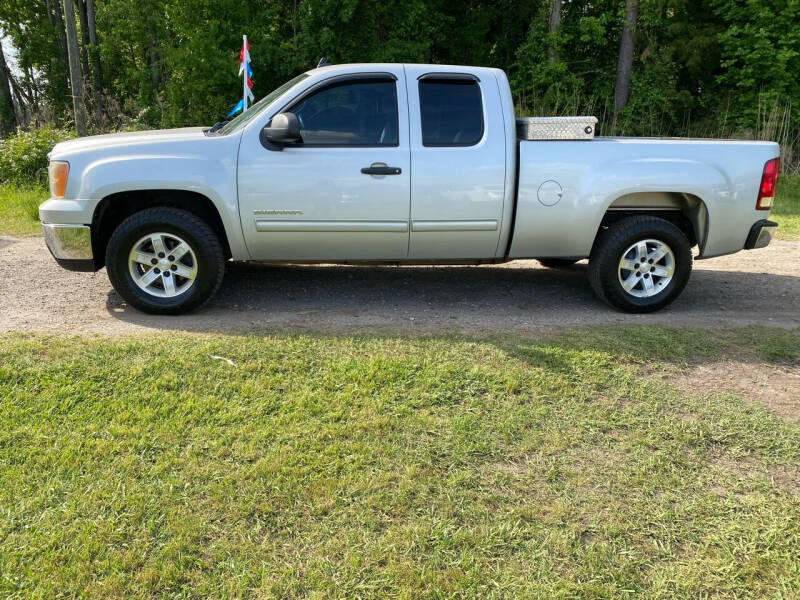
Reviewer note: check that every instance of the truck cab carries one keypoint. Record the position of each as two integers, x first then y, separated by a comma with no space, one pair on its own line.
408,161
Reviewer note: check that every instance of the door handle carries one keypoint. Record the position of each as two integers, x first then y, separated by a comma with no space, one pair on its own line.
381,169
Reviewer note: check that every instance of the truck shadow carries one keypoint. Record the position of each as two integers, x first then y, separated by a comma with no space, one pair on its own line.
488,298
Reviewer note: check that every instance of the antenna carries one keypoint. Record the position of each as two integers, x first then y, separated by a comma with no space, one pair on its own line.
323,62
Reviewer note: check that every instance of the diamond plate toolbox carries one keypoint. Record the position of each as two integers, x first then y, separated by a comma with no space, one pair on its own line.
556,128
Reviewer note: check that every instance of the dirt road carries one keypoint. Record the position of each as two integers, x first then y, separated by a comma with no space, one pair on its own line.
760,287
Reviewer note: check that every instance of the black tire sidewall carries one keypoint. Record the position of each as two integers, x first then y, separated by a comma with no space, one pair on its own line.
186,226
623,235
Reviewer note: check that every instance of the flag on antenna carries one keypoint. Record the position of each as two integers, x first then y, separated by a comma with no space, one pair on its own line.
246,71
237,108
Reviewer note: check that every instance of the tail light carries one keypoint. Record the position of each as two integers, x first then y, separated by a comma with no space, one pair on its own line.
769,178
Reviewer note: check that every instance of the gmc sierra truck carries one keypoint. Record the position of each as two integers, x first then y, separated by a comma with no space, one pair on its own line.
401,164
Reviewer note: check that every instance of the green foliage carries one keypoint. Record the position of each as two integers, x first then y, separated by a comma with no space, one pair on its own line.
23,157
717,68
760,52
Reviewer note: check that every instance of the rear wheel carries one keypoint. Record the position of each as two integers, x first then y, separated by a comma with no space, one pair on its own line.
165,261
557,263
640,264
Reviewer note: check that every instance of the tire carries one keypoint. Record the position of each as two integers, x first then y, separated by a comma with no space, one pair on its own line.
183,277
650,285
557,263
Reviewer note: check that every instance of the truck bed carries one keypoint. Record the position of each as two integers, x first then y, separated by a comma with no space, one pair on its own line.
566,187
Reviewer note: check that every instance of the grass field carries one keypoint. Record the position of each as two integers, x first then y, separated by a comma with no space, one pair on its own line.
384,467
787,208
19,209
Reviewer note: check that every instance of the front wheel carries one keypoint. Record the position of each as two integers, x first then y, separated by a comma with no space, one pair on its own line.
640,264
165,261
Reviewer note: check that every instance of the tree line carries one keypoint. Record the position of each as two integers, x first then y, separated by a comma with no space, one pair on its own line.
644,67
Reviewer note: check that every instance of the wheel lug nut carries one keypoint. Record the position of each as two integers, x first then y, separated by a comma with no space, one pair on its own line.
157,270
171,257
166,273
153,261
160,255
174,267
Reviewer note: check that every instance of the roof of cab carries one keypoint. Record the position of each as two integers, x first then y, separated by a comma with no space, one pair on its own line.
371,67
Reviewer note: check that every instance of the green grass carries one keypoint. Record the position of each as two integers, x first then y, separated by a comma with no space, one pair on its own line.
19,210
384,467
787,208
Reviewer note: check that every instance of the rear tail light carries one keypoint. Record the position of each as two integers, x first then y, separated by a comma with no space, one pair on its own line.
769,178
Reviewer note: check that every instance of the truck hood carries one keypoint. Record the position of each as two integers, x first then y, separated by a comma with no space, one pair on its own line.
112,140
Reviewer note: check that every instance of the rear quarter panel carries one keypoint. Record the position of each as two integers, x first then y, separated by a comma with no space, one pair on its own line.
725,175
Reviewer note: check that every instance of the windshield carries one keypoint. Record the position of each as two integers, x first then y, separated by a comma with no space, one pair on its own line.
245,117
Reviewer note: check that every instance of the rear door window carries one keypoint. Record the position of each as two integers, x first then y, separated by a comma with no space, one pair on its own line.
451,112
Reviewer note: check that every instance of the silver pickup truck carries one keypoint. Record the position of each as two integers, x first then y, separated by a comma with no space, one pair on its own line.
401,164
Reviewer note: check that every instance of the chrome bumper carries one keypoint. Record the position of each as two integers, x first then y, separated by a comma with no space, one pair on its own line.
70,245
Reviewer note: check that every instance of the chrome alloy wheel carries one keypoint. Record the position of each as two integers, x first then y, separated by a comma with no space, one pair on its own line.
163,265
646,268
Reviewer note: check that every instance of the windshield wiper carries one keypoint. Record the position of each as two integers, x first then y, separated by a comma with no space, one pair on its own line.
217,126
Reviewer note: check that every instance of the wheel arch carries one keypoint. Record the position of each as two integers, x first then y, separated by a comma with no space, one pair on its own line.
115,208
686,211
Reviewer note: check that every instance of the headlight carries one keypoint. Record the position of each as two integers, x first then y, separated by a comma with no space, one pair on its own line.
57,173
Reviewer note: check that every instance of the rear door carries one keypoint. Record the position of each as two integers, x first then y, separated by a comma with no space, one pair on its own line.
458,164
343,192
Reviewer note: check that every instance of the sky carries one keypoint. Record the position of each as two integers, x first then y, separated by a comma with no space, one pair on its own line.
10,53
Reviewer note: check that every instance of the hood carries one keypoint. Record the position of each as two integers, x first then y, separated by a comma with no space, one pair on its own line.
111,140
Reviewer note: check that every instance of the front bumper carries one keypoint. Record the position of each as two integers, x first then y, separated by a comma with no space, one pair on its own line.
70,245
760,234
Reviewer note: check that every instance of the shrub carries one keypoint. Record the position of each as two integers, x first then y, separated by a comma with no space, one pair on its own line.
23,157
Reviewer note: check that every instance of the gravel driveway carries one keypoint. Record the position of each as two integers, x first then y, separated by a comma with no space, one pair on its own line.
759,287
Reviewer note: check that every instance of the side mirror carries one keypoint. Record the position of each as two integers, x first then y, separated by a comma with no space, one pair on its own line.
283,128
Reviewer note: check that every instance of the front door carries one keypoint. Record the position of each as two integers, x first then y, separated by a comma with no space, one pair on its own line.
343,192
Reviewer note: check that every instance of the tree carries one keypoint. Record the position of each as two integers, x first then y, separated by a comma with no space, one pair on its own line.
81,6
94,59
625,61
8,117
75,74
56,21
553,25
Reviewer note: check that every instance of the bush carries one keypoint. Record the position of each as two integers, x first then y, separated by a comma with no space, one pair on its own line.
23,157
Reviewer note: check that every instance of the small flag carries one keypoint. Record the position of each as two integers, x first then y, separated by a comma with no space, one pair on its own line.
246,71
249,89
237,108
244,68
